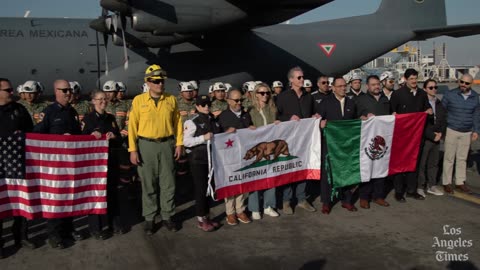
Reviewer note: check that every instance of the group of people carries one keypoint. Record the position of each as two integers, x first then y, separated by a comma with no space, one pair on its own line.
157,129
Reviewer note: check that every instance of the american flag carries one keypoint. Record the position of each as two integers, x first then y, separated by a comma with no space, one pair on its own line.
52,176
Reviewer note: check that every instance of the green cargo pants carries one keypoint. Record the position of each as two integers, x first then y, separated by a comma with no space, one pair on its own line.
157,173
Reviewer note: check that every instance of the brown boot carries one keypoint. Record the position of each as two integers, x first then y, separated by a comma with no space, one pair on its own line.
463,188
381,202
448,189
364,204
232,220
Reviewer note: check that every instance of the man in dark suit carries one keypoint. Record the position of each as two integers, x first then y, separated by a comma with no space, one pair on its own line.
409,99
336,107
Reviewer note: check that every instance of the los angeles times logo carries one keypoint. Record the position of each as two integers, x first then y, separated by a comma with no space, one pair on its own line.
448,245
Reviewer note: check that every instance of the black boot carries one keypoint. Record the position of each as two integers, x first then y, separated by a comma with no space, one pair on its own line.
1,247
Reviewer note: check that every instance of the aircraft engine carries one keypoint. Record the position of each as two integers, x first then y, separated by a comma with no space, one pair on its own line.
184,20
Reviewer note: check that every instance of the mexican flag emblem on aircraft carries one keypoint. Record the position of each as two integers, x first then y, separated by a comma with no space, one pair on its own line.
327,48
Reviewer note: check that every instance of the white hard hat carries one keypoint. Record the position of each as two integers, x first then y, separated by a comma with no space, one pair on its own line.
258,82
330,81
41,87
218,86
110,86
249,86
228,86
401,80
210,89
76,87
277,84
185,87
307,83
387,75
121,87
194,84
30,87
145,88
355,77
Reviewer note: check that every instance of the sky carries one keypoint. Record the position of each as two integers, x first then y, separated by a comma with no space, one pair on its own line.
460,51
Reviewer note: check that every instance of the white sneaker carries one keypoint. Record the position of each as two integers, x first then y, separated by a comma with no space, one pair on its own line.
435,191
270,212
256,215
421,192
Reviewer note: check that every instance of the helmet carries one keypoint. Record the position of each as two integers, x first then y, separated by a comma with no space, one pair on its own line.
228,86
155,72
121,87
30,87
355,77
277,84
76,88
145,88
194,84
401,80
307,83
258,82
210,89
110,86
41,87
387,75
19,88
330,81
185,87
218,86
249,86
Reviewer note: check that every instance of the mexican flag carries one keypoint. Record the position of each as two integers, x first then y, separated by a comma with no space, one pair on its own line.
380,146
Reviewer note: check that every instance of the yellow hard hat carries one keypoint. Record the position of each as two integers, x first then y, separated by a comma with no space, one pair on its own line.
155,72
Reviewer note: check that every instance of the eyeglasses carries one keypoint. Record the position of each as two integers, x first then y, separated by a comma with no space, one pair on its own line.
464,82
9,90
324,82
65,90
264,93
432,87
391,81
237,100
300,78
156,81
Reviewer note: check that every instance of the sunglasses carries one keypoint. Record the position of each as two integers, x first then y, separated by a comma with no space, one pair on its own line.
324,82
204,105
65,90
156,81
391,81
9,90
237,100
464,82
432,87
264,93
300,78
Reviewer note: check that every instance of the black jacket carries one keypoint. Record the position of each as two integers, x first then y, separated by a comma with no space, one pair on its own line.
318,98
368,104
289,104
331,109
14,117
351,95
228,119
102,123
438,123
403,101
58,119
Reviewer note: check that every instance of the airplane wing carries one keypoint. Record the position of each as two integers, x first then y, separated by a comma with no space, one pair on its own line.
461,30
269,12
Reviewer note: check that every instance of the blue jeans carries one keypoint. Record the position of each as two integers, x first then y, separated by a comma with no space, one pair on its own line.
299,191
269,200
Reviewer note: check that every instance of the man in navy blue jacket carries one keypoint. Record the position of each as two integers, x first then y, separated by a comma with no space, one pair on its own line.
463,127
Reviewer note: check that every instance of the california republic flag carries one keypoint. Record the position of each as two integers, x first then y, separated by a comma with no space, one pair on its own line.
270,156
380,146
